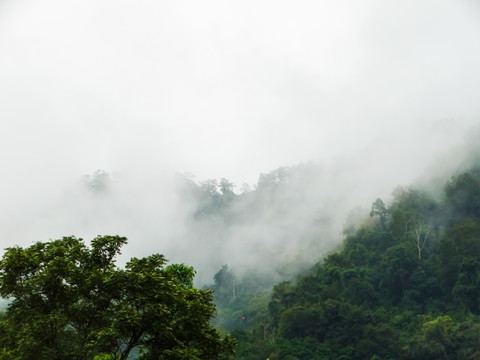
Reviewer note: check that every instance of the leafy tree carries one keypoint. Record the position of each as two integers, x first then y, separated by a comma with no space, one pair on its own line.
379,209
467,335
410,204
436,339
300,321
224,287
467,288
419,232
459,242
462,194
70,301
183,273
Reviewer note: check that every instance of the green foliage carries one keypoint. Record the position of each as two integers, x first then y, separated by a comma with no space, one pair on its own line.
301,321
462,194
224,287
380,210
435,340
183,273
405,285
71,302
105,357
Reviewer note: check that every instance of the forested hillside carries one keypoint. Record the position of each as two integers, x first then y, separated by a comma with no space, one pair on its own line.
403,282
404,285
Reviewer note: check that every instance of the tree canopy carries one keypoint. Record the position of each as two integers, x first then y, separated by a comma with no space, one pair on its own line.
404,285
70,301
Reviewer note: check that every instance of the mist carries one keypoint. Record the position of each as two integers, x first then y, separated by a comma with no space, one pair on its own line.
349,99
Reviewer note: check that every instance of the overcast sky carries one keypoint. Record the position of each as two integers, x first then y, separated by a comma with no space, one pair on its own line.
376,90
226,89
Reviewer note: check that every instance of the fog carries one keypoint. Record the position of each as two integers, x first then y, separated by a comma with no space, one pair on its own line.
357,97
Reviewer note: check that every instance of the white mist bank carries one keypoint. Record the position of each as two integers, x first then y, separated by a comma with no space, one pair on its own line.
273,231
371,93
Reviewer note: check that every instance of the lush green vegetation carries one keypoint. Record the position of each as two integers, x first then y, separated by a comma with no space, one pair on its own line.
405,285
70,301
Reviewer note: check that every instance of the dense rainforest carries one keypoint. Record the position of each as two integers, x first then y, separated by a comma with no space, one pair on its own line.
405,284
